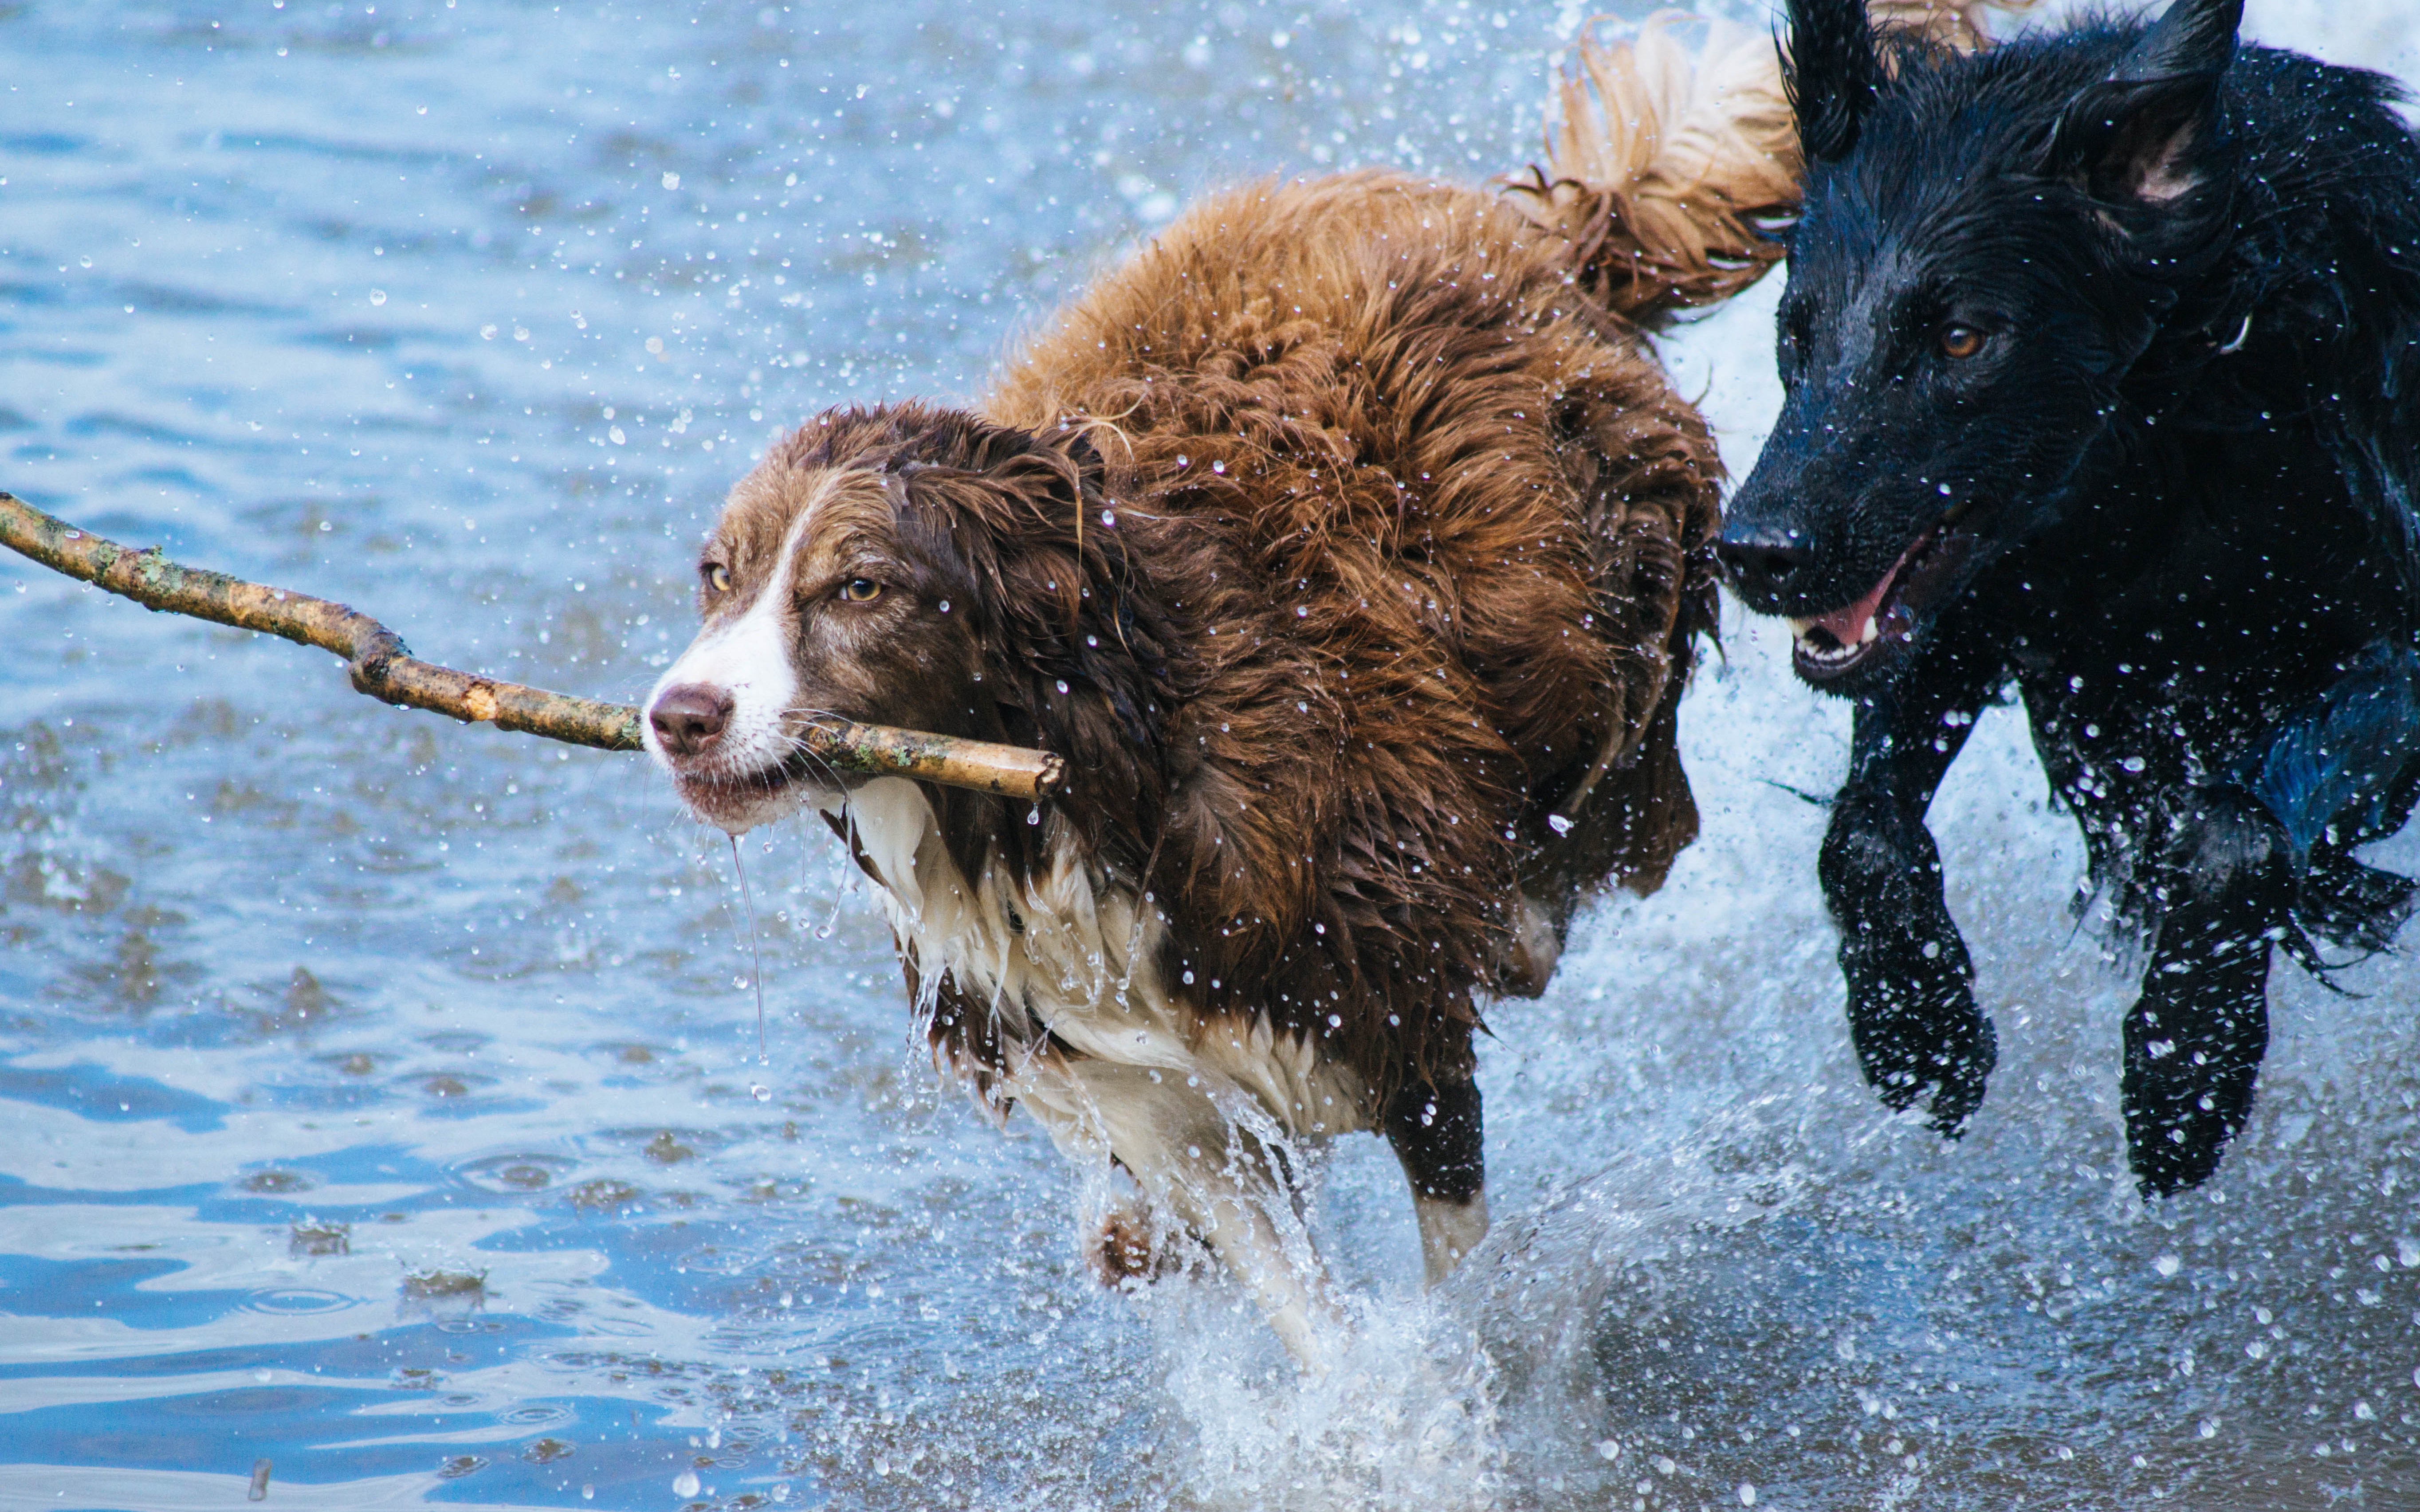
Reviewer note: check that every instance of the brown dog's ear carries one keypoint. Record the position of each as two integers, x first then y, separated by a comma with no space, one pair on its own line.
2132,139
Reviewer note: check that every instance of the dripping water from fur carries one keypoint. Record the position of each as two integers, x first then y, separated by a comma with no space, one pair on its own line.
755,954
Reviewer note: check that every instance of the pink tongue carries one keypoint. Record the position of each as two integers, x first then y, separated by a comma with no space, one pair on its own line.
1847,626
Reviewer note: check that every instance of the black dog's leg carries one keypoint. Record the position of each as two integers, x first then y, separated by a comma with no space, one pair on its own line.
1912,1010
1435,1130
2339,770
2195,1039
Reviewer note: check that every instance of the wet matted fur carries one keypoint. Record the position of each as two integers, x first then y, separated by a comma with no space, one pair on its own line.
1352,548
2102,351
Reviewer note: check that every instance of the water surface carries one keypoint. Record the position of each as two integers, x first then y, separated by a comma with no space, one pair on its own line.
379,1097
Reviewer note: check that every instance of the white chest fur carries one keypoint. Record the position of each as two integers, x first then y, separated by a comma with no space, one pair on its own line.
1070,956
1201,1110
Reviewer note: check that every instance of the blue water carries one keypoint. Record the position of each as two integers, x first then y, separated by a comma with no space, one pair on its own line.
379,1097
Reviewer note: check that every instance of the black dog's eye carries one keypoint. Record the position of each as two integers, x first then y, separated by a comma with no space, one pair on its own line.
860,589
718,578
1960,342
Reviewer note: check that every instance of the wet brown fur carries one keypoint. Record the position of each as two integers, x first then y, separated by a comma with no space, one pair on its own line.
1354,536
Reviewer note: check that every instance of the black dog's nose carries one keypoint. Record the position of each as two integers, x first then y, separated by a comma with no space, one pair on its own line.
1761,565
690,716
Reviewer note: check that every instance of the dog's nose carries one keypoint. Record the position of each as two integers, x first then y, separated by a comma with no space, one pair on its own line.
690,716
1761,565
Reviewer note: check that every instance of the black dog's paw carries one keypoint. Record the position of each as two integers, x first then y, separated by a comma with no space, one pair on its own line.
1965,1065
2167,1159
2175,1137
1917,1027
2188,1088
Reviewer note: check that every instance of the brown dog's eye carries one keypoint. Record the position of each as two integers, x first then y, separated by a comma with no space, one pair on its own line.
860,589
718,578
1960,342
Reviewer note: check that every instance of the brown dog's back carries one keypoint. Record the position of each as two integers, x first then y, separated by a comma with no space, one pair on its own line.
1438,529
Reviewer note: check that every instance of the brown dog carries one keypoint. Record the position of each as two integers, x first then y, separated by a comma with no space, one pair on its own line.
1351,547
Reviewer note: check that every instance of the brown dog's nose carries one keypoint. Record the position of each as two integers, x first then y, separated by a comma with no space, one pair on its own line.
690,716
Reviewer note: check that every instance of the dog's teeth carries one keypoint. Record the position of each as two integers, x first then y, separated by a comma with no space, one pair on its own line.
1800,627
1871,631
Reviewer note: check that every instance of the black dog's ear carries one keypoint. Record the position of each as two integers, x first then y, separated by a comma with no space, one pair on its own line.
1830,69
2131,138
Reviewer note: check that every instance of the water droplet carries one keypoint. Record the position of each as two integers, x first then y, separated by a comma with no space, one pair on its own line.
378,296
672,180
1559,824
684,1484
760,1093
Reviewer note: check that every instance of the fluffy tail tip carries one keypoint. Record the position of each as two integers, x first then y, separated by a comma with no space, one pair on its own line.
1672,176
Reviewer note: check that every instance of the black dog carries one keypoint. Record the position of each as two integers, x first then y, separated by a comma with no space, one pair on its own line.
2102,352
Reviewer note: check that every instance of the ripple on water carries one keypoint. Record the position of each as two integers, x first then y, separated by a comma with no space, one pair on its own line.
515,1173
267,947
297,1302
537,1415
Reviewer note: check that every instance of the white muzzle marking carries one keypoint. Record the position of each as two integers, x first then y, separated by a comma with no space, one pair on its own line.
747,659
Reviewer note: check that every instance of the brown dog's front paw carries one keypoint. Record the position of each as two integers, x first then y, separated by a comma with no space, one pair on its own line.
1125,1249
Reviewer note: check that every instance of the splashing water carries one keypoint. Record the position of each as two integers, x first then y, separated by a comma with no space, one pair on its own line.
303,996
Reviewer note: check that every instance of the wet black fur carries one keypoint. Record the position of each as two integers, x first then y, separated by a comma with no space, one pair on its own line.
2186,455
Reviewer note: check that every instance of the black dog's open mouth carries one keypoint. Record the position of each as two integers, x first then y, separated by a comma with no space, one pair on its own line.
1876,626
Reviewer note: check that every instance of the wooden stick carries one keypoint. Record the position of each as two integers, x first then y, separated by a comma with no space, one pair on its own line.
384,669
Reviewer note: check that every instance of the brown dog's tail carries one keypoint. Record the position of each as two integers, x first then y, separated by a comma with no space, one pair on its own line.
1672,176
